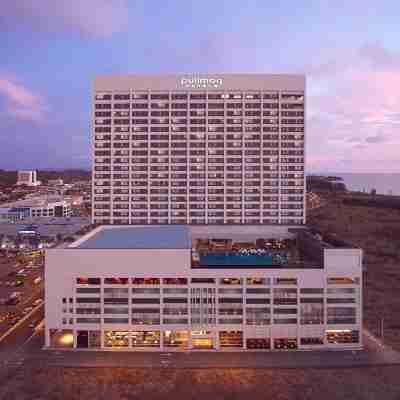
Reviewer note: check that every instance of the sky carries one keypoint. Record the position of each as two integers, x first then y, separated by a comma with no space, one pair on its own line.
349,51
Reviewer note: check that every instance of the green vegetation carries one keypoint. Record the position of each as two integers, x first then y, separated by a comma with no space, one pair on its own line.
377,231
9,178
373,201
325,184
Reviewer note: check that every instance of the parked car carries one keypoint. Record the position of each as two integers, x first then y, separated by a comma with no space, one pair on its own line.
37,302
27,310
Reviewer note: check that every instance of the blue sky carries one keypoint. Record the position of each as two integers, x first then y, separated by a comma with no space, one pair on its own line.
52,49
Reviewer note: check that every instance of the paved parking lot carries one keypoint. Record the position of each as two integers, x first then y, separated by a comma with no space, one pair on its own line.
30,291
48,226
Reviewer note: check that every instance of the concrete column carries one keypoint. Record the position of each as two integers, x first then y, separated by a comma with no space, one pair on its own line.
75,334
161,340
101,338
244,336
130,339
216,345
47,337
190,344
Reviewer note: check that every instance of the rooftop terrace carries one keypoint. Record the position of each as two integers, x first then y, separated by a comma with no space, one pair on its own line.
232,246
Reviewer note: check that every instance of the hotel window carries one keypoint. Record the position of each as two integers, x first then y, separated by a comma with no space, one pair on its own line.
285,281
341,290
285,296
87,281
145,301
116,281
203,280
340,300
88,290
175,281
116,310
230,291
343,281
88,300
116,320
258,291
231,281
285,320
145,291
174,321
336,336
257,300
145,281
311,312
311,341
341,315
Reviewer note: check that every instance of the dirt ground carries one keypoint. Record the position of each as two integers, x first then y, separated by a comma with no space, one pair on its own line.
227,384
377,232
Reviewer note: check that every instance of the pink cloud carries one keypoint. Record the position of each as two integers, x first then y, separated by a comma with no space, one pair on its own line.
20,102
355,111
88,17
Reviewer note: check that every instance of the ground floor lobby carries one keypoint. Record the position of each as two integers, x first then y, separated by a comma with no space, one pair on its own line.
183,340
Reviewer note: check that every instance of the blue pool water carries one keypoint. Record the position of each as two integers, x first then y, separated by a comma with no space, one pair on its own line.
239,259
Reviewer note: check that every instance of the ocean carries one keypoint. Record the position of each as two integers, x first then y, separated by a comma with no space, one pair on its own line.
383,183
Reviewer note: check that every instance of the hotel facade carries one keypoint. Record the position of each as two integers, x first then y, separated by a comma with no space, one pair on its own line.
204,287
218,149
198,185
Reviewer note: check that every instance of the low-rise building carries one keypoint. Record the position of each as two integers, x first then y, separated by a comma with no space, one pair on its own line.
14,214
43,206
204,287
55,182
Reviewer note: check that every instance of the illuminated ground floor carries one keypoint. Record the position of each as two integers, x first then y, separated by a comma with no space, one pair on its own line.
162,340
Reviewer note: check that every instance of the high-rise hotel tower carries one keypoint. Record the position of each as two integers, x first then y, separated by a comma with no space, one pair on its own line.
199,149
215,164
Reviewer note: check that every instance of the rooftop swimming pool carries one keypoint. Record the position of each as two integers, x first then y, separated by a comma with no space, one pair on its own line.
237,259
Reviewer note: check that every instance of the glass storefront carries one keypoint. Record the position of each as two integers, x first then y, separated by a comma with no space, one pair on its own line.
176,339
116,339
146,339
231,338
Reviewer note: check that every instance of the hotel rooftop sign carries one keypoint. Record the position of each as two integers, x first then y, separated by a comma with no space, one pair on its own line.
198,83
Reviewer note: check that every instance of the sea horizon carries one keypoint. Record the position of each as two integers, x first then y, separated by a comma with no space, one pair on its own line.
383,182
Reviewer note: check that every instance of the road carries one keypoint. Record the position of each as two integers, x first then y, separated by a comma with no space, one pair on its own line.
27,351
20,344
29,290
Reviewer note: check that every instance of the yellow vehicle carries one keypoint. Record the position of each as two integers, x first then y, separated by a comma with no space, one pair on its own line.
36,253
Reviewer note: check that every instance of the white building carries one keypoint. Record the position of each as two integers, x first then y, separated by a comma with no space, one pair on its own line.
209,149
204,287
55,182
27,178
40,206
215,164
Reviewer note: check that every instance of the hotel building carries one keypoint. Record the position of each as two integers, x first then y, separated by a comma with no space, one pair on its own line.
218,149
204,287
198,183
